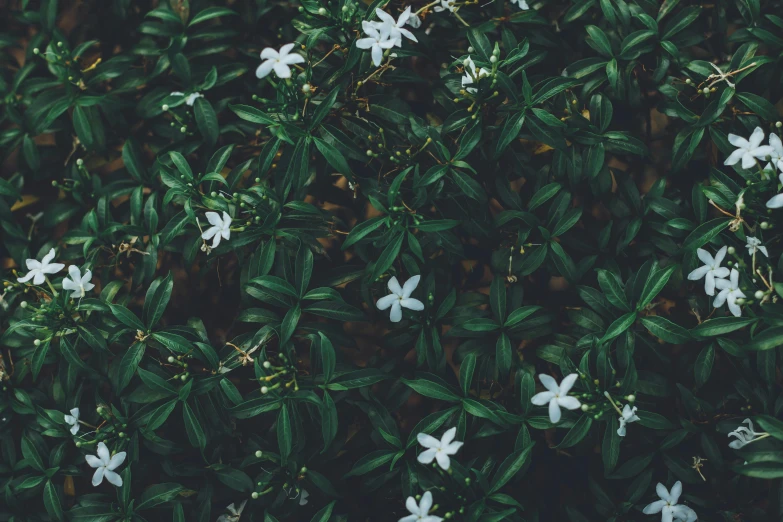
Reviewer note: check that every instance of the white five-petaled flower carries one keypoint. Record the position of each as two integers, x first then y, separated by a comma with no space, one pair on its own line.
446,5
191,98
556,396
77,283
748,150
234,513
668,507
438,449
776,156
105,465
710,270
400,298
777,201
73,420
396,28
729,293
522,4
471,75
278,61
221,227
39,269
378,39
420,512
754,245
628,416
745,435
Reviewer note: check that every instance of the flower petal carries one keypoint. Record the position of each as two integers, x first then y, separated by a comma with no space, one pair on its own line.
775,201
539,399
662,492
756,138
97,477
554,412
734,157
103,453
428,441
412,304
113,478
48,258
264,69
738,141
93,461
269,54
410,285
549,382
569,403
655,507
699,273
425,503
396,312
282,70
443,460
412,506
568,383
394,286
448,436
116,461
386,301
676,491
427,456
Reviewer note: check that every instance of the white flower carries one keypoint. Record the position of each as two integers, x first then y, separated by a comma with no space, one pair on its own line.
776,155
729,292
628,416
522,4
191,99
438,449
400,298
396,28
710,270
414,21
777,201
234,513
303,497
754,245
470,74
220,227
420,511
105,465
748,150
39,269
556,395
73,420
77,283
446,5
744,435
279,61
668,507
377,40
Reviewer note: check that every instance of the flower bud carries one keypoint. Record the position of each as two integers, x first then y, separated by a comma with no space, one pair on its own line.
165,107
765,225
759,294
255,495
470,49
267,364
706,90
732,250
259,454
322,11
37,342
493,59
778,124
264,390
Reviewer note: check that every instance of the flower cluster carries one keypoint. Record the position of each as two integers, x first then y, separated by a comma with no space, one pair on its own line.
386,34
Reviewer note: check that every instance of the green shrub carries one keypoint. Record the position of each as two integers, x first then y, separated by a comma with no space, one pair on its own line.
487,262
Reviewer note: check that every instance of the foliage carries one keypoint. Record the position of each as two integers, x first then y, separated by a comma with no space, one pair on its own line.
553,193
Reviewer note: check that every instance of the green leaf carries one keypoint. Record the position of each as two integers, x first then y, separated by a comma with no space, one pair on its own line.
209,13
510,467
769,339
577,432
721,326
52,501
619,326
128,364
704,233
284,435
432,389
324,107
158,296
193,428
665,329
612,288
206,120
127,317
159,494
703,367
